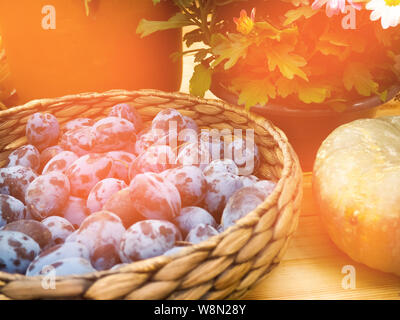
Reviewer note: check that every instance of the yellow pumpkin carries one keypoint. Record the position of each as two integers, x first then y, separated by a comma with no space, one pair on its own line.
356,182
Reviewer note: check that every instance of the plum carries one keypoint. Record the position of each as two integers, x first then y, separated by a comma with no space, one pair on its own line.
77,124
17,251
212,140
60,228
220,187
193,154
155,159
190,217
99,229
105,257
220,166
190,182
122,161
240,204
147,239
112,134
60,163
11,209
15,180
171,140
173,251
246,155
154,197
79,141
119,266
191,124
167,121
102,191
48,154
27,156
75,211
200,233
145,140
68,267
34,229
42,130
47,195
56,253
122,204
128,112
249,181
88,170
265,186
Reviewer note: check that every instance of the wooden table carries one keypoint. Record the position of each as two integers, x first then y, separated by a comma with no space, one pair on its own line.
312,266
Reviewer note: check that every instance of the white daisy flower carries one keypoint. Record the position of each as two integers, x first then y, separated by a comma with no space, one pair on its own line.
386,10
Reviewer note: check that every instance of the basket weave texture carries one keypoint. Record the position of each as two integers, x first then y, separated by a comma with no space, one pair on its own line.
224,267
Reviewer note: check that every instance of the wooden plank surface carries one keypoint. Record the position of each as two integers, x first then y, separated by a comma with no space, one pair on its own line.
312,266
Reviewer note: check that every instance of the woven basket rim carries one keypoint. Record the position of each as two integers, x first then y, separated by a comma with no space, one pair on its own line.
139,266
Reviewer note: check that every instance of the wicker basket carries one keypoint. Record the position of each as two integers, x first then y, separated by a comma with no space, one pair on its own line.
224,267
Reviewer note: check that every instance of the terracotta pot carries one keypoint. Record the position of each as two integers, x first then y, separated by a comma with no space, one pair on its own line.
306,129
87,53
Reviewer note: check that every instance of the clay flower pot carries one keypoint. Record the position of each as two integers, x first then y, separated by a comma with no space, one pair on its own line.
54,48
306,129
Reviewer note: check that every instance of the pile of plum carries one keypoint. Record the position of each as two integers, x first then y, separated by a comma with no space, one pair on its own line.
95,195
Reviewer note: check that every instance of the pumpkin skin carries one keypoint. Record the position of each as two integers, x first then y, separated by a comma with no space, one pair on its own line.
356,182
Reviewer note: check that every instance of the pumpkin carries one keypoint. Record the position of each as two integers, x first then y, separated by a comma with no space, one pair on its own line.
356,182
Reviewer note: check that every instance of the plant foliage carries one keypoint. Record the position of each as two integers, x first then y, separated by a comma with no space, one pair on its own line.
286,52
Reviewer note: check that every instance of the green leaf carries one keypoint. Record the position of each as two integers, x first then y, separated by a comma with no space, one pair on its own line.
298,2
87,7
184,3
226,2
288,63
192,37
343,40
384,95
147,27
338,106
268,30
253,92
327,48
201,80
285,87
296,14
201,55
230,48
175,56
358,76
306,92
313,94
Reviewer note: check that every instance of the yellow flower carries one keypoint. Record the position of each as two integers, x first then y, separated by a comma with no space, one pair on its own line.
245,24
